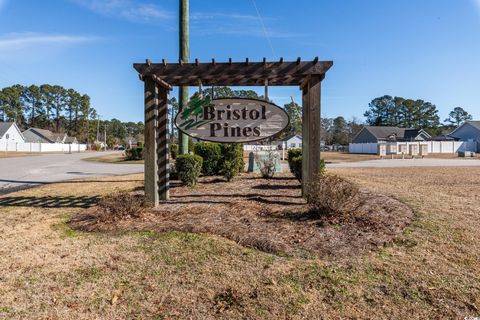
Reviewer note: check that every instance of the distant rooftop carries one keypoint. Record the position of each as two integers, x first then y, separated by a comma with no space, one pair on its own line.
474,123
395,133
4,126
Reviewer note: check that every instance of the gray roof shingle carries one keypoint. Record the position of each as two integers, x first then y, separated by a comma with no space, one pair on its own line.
46,136
475,124
37,134
395,133
4,126
385,132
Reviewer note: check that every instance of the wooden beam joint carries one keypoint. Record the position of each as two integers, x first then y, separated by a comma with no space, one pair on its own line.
162,83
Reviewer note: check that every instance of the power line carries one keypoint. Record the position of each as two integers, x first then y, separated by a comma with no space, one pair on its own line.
264,29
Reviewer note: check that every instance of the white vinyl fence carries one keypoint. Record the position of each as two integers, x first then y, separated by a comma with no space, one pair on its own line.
367,148
41,147
259,147
433,146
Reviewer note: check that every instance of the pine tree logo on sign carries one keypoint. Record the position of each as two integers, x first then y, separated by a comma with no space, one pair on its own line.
231,119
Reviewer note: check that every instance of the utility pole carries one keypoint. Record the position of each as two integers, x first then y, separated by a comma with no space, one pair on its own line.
98,128
88,130
87,121
105,136
185,57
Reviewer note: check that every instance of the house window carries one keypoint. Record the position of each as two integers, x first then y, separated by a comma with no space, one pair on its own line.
300,145
292,145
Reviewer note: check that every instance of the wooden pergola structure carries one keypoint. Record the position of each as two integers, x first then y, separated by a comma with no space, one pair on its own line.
159,78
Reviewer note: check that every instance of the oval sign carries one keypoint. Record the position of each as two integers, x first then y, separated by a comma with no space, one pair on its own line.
231,119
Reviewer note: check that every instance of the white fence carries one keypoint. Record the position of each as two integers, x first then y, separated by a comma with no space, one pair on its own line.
433,146
41,147
368,148
259,147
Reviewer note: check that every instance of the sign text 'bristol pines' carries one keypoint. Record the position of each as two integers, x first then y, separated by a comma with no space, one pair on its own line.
231,119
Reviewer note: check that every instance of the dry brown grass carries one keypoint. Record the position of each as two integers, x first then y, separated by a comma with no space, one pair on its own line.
5,154
334,157
48,271
448,156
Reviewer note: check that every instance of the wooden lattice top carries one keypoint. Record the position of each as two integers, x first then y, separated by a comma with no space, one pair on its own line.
278,73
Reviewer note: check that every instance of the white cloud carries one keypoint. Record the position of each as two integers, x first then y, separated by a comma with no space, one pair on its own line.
203,23
26,40
211,23
127,9
216,15
33,46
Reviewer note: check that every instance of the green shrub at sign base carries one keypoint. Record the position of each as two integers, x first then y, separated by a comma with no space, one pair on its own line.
189,167
293,153
174,151
232,162
239,156
296,166
191,144
295,163
212,156
134,154
234,152
221,159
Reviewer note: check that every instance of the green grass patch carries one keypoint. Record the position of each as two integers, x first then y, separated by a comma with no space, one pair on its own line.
63,229
4,309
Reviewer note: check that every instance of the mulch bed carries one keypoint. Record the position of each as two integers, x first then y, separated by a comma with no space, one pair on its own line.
268,215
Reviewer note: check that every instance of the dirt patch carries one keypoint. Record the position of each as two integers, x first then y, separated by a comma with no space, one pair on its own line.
268,215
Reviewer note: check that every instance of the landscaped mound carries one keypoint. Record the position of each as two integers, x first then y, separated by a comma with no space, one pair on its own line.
269,215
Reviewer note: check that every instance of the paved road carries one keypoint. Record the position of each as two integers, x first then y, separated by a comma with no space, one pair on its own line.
399,163
21,172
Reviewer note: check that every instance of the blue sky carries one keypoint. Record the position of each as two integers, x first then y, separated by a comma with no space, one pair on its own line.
428,49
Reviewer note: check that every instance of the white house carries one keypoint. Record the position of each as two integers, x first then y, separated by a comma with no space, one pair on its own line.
10,133
294,141
469,132
291,142
13,140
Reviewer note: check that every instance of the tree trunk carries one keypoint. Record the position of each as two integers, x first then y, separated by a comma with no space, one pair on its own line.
57,126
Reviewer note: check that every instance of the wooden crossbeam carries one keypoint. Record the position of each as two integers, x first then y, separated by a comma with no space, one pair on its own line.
161,82
278,73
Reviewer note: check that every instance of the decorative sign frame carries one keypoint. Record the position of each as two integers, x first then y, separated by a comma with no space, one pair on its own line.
159,78
231,120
